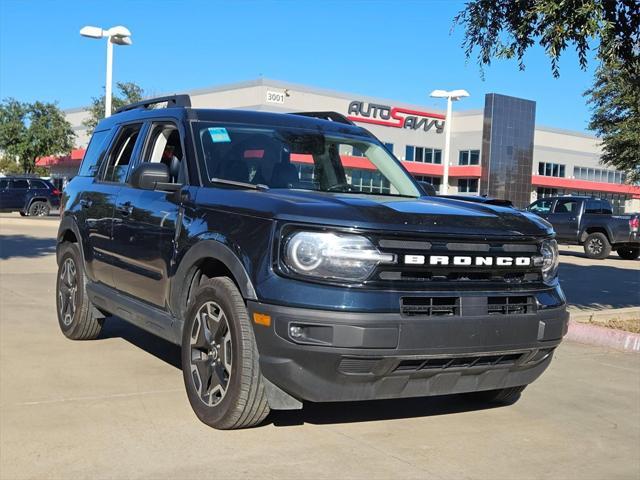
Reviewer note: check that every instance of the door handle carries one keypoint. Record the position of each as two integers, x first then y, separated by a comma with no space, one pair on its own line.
125,208
84,203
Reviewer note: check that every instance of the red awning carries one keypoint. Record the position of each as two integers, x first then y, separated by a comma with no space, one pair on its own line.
74,158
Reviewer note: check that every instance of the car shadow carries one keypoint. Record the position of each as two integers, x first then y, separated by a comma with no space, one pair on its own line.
12,246
600,286
377,410
115,327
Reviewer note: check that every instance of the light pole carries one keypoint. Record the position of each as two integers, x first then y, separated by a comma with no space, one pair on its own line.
451,97
115,35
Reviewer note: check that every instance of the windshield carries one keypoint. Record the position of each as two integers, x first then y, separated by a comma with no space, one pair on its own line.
300,159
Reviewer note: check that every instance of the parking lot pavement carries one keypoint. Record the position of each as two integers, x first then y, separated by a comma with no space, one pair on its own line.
596,284
115,408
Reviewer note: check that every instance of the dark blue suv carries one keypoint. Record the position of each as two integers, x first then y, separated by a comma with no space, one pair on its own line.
28,195
295,259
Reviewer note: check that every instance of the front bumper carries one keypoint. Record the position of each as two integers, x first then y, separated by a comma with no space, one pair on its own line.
345,356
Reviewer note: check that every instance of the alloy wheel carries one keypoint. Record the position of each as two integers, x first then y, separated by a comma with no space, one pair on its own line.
67,291
595,246
211,353
39,209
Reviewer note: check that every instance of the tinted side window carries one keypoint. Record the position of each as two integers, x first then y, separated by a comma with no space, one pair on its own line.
165,147
541,206
37,184
20,184
120,154
4,184
94,154
566,206
593,206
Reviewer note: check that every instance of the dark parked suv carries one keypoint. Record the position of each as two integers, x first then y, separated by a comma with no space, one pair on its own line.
28,195
258,243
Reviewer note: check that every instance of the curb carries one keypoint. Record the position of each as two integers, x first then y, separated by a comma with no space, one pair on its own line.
603,336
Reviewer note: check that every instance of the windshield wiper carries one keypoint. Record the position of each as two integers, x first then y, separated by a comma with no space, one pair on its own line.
253,186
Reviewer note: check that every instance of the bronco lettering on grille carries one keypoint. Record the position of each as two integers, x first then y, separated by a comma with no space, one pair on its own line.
464,260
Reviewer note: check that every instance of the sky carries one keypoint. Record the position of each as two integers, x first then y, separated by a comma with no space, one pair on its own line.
399,50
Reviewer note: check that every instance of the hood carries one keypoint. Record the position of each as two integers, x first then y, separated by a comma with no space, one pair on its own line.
379,212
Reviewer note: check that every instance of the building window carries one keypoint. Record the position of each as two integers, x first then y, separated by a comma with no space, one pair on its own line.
469,157
422,154
546,192
435,181
356,152
468,185
408,153
598,175
367,181
389,147
551,169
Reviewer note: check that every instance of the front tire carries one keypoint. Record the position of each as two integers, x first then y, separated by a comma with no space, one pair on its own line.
629,253
39,209
597,246
220,358
77,317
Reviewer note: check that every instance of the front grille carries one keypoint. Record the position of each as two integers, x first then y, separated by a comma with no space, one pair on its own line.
444,363
381,366
430,306
442,276
510,305
467,306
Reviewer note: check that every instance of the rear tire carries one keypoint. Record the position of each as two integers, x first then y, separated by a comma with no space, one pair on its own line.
220,359
505,396
629,253
39,209
77,317
597,246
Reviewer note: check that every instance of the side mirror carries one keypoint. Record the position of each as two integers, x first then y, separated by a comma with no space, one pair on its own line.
153,176
428,189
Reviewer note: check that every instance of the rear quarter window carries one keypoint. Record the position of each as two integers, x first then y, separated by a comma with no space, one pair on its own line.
95,153
38,184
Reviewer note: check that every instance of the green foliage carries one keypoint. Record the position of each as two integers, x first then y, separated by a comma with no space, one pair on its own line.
615,103
507,28
32,130
9,166
126,93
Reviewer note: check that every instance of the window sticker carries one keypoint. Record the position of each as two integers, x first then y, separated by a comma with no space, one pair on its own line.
219,135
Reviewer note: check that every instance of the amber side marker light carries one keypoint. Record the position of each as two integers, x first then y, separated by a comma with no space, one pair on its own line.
262,319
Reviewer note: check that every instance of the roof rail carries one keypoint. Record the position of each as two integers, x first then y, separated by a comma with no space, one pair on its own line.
332,116
182,100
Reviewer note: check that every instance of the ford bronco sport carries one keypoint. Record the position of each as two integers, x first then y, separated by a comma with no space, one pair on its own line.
258,243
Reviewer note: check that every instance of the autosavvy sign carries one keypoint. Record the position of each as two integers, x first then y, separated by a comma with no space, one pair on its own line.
395,116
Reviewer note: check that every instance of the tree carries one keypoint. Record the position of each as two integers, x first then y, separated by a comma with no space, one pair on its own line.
507,28
129,92
615,103
32,130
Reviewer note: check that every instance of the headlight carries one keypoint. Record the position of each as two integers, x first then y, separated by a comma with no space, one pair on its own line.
332,255
549,260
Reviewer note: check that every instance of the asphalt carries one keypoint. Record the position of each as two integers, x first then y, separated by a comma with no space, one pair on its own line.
116,408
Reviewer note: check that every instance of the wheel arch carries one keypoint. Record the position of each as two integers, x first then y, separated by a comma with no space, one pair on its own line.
594,229
210,258
68,231
37,198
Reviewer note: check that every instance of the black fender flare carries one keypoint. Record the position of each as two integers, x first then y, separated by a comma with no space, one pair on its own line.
199,251
68,223
607,232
